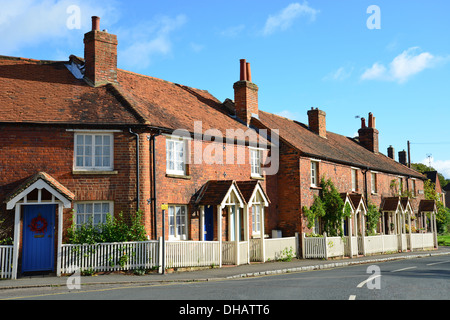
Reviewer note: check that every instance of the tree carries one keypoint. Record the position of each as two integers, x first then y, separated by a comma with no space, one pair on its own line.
420,167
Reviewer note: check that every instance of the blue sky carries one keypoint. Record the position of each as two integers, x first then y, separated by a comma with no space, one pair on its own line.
303,54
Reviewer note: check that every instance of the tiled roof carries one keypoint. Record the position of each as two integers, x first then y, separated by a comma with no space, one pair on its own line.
35,91
214,192
427,206
47,178
168,105
335,148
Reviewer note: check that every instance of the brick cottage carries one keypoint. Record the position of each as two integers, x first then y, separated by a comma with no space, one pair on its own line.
81,138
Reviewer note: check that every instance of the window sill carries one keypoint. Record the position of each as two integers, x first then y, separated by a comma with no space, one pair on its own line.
257,178
178,176
94,172
315,187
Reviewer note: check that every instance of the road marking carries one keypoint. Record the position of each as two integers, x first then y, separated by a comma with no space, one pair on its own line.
409,268
433,264
352,297
369,279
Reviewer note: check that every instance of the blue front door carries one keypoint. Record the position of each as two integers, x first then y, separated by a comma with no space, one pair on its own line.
209,223
38,238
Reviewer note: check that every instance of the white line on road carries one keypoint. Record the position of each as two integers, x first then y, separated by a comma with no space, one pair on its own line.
352,297
365,281
433,264
403,269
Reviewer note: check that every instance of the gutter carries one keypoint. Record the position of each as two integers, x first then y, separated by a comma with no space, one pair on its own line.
137,170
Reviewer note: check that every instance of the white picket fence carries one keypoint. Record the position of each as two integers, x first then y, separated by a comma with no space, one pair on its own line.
328,247
192,254
109,256
6,256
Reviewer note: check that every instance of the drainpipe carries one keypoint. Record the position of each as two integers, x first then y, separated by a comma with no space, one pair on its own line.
365,186
153,180
137,170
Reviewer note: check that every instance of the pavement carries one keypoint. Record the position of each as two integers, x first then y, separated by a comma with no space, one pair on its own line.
215,274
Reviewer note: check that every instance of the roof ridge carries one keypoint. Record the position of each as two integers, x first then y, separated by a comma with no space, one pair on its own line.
125,101
37,61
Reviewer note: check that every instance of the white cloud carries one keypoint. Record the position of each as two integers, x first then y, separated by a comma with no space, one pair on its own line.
407,64
340,74
286,17
293,115
27,23
442,166
146,40
233,31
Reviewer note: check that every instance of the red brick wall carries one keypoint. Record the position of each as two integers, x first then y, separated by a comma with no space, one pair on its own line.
180,190
27,150
294,189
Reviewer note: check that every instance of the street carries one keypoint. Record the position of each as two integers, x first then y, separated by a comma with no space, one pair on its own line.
409,279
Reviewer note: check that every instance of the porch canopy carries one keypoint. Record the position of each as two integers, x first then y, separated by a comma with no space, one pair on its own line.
395,211
39,189
232,200
428,207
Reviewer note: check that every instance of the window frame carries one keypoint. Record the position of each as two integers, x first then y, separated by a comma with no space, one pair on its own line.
85,214
175,141
93,155
256,164
256,218
373,183
354,177
174,236
314,173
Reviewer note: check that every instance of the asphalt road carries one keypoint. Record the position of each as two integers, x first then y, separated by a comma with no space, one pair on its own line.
411,279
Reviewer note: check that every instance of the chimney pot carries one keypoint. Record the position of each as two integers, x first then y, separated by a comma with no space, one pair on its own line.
249,72
243,76
371,120
95,23
363,123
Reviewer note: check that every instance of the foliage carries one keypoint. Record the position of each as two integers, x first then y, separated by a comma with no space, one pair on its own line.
420,167
113,230
5,232
372,218
443,213
330,207
444,240
287,255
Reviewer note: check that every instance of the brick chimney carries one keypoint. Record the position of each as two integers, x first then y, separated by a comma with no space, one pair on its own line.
391,152
368,136
245,94
317,122
100,54
402,157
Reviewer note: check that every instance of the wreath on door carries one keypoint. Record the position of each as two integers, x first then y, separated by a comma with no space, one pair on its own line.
38,225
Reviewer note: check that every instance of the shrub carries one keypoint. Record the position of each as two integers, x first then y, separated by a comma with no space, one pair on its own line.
113,230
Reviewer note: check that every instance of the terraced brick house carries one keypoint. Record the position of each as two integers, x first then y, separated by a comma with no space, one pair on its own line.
80,139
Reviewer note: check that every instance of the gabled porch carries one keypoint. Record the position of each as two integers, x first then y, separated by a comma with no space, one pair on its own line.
38,204
232,213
